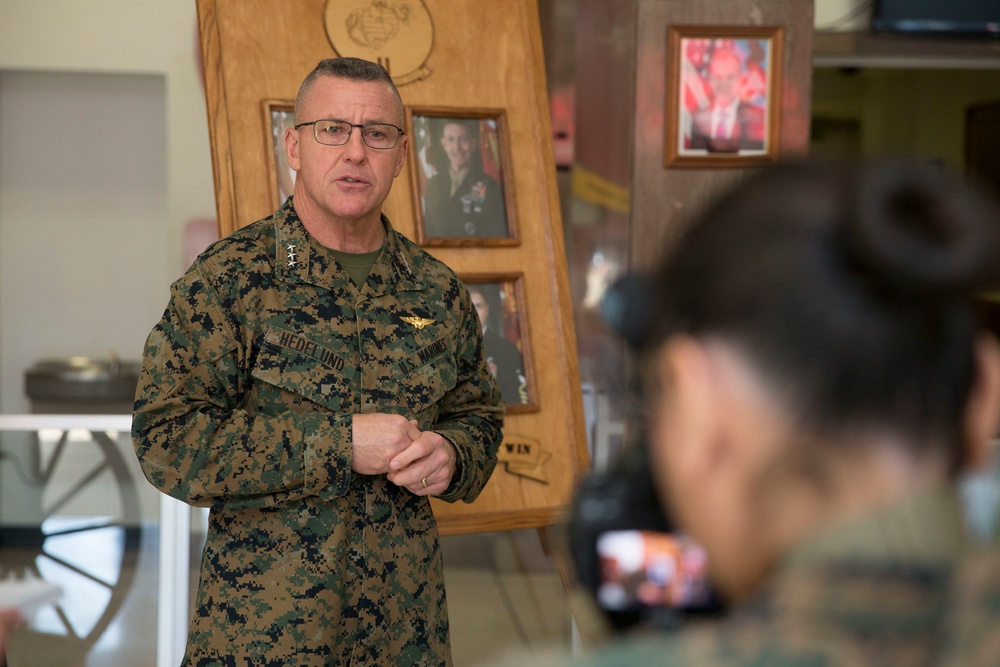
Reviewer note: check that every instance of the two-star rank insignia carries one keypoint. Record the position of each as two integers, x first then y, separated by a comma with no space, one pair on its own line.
418,322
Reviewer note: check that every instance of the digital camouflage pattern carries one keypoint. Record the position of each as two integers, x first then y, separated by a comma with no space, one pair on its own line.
899,588
244,405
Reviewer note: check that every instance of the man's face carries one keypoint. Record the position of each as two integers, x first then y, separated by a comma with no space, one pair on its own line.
457,144
482,308
344,184
724,77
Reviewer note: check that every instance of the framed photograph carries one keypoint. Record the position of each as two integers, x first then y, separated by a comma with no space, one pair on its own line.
499,302
723,95
462,190
278,116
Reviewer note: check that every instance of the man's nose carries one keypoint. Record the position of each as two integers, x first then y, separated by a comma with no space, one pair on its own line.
355,148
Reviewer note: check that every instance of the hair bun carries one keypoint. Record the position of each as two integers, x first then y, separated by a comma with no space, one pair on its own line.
917,228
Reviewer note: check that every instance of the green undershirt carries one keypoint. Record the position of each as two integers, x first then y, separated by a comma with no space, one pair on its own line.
357,265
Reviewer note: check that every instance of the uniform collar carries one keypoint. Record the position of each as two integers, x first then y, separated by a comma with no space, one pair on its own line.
296,259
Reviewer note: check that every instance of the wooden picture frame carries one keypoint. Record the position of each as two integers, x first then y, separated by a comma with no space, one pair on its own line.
709,65
278,115
499,299
480,212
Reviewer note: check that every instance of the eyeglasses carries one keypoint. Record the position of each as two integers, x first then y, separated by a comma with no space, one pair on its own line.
381,136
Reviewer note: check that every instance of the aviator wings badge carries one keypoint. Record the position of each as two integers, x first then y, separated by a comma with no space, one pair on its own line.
418,322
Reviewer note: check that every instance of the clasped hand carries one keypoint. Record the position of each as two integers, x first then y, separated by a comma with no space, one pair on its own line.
421,461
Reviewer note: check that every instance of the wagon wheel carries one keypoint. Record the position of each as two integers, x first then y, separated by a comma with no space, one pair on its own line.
93,559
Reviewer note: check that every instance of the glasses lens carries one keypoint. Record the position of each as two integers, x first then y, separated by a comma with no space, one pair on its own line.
332,132
380,136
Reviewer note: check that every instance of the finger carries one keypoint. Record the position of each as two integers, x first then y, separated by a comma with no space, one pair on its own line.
426,486
418,476
412,432
417,450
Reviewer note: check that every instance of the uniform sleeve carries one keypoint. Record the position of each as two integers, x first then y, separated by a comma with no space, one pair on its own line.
471,414
193,439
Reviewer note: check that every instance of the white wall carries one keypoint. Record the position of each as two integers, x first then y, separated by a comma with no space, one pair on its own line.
104,158
135,37
83,217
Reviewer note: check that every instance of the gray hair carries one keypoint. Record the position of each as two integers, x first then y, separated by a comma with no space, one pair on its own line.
353,69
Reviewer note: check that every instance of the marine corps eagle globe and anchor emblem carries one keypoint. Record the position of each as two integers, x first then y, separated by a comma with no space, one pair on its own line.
397,34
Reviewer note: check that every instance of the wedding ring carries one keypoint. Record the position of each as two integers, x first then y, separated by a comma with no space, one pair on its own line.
424,482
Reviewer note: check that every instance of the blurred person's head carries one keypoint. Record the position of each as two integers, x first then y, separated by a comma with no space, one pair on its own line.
460,141
481,305
814,355
724,76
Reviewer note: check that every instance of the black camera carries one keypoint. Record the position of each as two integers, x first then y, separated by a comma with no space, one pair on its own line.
639,568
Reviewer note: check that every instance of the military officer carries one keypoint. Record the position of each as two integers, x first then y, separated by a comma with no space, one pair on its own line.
314,380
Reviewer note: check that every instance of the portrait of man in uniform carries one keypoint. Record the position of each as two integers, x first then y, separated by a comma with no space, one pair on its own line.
282,117
460,178
502,339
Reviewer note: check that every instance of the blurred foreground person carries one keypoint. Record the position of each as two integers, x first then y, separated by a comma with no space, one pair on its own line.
816,380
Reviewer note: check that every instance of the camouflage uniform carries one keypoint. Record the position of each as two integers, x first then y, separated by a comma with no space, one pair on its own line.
245,404
900,587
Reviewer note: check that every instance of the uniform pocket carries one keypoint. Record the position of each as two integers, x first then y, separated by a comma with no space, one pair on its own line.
431,374
296,364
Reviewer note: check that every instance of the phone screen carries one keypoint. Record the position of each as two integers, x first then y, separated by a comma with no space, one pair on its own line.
645,569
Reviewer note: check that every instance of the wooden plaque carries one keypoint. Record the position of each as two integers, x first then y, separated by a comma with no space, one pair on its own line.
456,54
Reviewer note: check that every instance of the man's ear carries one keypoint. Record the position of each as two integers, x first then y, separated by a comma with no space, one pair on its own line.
405,140
292,148
982,412
698,412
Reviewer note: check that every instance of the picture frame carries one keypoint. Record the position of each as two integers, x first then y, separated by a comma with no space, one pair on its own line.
499,300
278,116
479,210
723,95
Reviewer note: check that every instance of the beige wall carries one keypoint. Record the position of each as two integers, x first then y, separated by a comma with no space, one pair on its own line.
93,221
135,37
127,37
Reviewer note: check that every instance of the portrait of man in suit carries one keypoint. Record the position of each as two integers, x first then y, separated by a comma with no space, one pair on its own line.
729,113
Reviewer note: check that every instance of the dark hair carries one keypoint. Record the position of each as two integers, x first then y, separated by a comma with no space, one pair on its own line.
491,294
848,288
354,69
470,124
